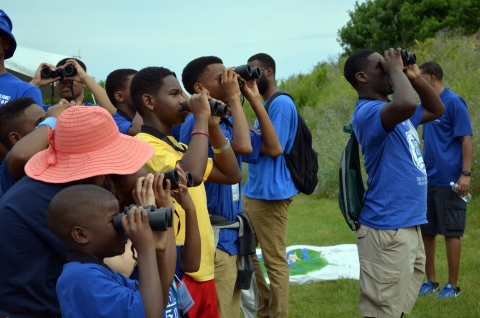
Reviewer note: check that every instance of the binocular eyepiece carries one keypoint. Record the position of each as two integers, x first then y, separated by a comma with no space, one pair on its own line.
216,109
67,71
159,219
408,58
246,72
174,178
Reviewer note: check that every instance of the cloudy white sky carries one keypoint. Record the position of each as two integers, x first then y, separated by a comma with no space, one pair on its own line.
135,34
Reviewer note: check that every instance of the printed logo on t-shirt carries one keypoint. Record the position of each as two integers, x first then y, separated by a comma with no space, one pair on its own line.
4,99
414,145
171,311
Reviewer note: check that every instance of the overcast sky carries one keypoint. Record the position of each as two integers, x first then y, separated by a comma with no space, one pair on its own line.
136,34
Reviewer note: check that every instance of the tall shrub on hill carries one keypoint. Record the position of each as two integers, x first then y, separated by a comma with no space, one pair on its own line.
380,24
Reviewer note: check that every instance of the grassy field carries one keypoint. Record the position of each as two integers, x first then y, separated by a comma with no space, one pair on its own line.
316,221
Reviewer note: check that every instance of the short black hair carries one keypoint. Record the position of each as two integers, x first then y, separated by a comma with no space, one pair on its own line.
12,115
356,63
75,206
264,59
196,68
62,62
432,68
116,81
147,81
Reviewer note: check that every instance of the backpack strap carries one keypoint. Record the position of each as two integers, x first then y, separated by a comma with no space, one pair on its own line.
349,130
271,98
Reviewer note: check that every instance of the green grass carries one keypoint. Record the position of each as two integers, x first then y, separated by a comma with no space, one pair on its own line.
316,221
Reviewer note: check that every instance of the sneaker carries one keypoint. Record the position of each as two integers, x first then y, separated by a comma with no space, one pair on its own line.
449,292
428,288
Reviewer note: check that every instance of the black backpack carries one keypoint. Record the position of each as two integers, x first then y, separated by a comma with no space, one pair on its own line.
302,161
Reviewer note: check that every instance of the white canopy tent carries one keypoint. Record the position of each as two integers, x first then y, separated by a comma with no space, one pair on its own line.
25,62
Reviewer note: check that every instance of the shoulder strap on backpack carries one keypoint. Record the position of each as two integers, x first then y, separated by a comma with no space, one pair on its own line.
271,98
349,130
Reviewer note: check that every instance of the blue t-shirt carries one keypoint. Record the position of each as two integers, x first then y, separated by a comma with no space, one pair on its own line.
92,290
85,103
6,179
176,131
443,148
225,199
398,195
32,257
123,122
270,179
11,87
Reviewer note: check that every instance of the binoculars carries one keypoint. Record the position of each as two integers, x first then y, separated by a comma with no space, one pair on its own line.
216,109
159,219
246,72
174,178
67,71
408,58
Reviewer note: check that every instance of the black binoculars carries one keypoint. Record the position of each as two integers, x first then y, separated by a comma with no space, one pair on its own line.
67,71
408,58
159,219
174,178
216,109
246,72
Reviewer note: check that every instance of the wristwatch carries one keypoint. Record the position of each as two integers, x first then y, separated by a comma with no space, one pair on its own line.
466,173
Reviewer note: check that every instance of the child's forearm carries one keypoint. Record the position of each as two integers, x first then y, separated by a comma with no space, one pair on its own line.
241,143
190,255
225,161
270,144
149,284
166,262
100,95
195,158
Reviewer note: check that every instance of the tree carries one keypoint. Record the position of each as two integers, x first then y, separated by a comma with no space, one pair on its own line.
380,24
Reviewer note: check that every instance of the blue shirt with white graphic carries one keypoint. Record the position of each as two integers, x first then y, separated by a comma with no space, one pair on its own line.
443,148
11,87
398,194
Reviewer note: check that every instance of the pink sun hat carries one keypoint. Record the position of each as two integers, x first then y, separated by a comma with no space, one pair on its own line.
86,143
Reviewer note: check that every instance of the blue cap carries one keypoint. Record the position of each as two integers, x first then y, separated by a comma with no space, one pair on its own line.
6,26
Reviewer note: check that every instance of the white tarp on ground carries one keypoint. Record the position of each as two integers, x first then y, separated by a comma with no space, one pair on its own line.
309,264
26,61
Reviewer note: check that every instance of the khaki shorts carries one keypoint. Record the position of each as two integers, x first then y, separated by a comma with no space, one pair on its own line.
392,265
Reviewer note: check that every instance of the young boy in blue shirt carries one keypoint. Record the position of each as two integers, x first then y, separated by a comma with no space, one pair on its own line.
81,216
117,86
390,246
